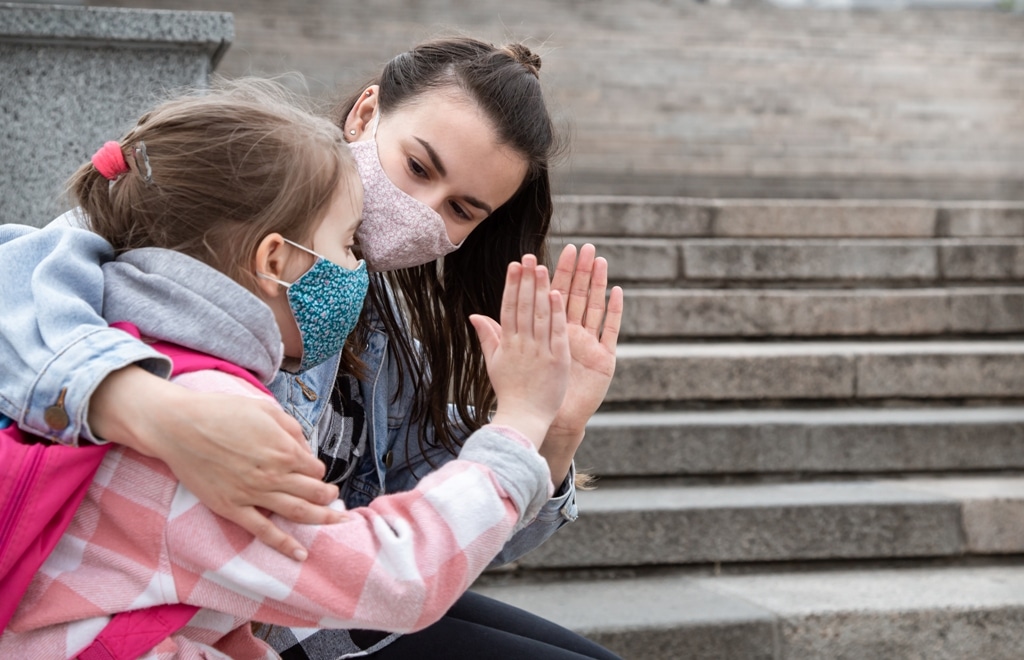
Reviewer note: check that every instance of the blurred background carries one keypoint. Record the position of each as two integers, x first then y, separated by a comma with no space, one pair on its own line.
870,99
813,447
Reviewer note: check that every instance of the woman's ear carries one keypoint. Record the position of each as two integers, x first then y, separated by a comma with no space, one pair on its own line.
361,115
270,261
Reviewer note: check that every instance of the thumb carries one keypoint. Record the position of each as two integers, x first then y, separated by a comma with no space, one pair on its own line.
488,332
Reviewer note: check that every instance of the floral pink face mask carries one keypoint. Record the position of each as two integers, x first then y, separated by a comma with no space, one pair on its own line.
398,230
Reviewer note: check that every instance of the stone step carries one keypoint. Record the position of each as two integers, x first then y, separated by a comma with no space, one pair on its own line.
950,613
809,442
710,313
818,370
623,525
802,261
678,217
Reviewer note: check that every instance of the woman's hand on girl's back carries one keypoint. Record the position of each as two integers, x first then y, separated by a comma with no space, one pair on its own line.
239,456
528,355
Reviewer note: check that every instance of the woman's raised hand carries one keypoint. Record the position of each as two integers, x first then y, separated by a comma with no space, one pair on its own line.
593,329
528,355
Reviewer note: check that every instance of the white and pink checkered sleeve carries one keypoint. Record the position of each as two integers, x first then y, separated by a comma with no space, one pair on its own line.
397,564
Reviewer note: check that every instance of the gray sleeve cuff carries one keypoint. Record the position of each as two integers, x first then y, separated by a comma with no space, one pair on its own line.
520,470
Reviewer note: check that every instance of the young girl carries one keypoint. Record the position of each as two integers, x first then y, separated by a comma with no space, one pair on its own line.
233,216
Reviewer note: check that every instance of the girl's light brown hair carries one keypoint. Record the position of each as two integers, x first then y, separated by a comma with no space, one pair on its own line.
230,165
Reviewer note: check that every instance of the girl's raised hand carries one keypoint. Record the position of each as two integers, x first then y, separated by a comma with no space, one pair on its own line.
528,355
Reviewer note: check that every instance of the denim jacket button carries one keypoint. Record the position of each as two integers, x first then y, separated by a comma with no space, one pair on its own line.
55,416
389,459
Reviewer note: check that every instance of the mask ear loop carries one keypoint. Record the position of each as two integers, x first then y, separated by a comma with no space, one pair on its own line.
301,247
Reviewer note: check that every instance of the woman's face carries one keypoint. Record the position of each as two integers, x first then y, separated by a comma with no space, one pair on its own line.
443,151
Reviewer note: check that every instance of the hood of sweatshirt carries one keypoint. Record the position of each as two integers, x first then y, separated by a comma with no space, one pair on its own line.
172,297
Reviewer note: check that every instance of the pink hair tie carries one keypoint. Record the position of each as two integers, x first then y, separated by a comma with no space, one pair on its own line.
109,161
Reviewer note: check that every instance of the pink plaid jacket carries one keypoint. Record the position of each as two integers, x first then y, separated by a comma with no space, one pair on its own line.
140,539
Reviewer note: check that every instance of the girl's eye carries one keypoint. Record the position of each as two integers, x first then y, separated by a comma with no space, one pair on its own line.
417,169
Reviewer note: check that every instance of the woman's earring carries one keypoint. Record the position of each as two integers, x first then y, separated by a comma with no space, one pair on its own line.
352,131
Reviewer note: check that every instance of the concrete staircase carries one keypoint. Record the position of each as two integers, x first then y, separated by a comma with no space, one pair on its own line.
814,443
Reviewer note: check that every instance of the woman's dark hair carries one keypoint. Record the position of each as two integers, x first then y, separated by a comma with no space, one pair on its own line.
437,298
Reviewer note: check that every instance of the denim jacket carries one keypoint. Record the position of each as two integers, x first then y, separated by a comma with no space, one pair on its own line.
57,348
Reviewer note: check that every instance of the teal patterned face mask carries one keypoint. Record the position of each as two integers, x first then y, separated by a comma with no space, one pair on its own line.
326,302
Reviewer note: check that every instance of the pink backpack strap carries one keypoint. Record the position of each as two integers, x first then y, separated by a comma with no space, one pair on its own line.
131,634
40,490
186,360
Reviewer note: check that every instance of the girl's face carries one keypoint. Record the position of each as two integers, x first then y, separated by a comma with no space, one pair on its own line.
333,239
443,151
336,235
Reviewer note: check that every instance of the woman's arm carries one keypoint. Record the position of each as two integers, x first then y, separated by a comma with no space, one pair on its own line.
66,374
55,347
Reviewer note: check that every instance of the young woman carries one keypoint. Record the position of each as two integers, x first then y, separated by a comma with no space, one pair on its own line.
233,219
454,134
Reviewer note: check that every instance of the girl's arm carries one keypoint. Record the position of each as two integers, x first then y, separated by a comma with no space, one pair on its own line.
593,332
399,563
65,374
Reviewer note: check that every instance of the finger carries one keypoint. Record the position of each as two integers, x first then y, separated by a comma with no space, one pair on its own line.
559,328
305,488
510,297
306,464
299,510
596,298
492,324
576,306
527,285
612,320
542,308
486,333
270,534
289,425
564,269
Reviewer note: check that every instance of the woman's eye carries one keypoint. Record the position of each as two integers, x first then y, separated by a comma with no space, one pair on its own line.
460,212
417,169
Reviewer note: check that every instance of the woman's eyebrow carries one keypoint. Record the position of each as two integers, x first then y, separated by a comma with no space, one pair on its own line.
435,160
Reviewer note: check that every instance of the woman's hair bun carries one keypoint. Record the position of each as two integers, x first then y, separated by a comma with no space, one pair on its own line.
522,54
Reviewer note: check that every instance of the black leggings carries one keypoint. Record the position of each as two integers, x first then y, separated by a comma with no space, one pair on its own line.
478,628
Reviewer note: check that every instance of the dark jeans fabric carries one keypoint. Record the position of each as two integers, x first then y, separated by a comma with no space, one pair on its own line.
475,628
478,628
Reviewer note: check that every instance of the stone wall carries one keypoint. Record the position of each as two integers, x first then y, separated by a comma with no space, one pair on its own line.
710,99
72,78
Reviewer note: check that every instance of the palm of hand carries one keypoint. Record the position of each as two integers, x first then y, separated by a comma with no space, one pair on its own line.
590,375
593,331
